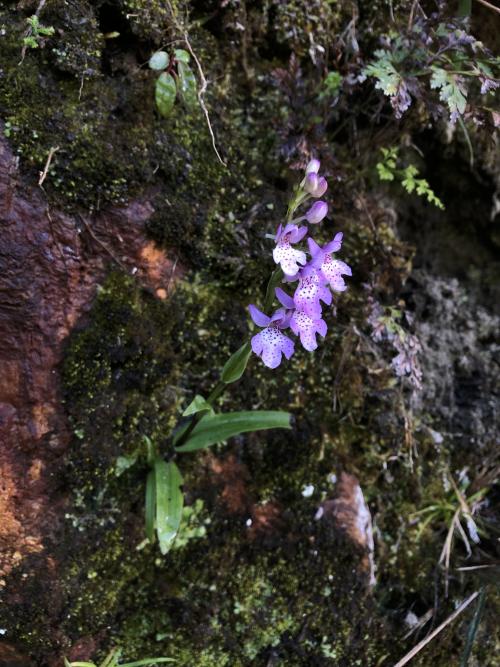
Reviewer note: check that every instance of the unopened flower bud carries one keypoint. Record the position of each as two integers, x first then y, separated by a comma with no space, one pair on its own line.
312,167
317,212
320,188
311,183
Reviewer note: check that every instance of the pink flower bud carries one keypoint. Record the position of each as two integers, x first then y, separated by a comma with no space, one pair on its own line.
311,183
320,188
317,212
312,167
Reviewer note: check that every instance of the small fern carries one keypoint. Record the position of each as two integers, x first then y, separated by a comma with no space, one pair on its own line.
408,176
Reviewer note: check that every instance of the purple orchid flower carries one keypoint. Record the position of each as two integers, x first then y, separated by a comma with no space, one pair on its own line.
331,269
306,327
271,343
317,212
286,256
301,324
311,289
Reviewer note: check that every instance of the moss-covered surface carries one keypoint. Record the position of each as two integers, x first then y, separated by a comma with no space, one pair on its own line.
291,594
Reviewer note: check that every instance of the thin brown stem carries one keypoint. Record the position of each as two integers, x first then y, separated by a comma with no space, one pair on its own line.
416,649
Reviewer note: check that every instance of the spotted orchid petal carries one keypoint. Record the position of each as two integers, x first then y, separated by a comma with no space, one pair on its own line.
332,270
310,291
287,257
306,327
270,344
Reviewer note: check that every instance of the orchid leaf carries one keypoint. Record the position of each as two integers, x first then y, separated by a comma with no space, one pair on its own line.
198,404
235,366
169,502
150,506
215,428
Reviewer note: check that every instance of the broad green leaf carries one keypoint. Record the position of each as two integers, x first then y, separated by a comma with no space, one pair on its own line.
198,404
213,429
159,60
187,85
182,56
236,364
165,93
169,502
150,506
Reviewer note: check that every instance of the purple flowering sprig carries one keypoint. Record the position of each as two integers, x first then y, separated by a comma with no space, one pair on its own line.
317,277
317,274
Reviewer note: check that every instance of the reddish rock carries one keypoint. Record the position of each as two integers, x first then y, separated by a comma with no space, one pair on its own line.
50,266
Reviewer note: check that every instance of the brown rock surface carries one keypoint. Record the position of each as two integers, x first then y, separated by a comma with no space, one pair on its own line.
350,515
50,266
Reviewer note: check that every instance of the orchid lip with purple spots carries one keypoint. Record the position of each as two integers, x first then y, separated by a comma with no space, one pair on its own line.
310,291
331,269
270,344
306,327
283,254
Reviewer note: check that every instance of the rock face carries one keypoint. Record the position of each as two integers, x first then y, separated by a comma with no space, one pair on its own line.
93,358
349,513
50,267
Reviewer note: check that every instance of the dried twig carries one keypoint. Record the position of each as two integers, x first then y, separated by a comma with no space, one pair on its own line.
102,244
489,5
416,649
43,174
204,85
201,93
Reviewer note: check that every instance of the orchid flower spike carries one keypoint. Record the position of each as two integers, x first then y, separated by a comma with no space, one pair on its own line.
286,256
331,269
271,343
317,212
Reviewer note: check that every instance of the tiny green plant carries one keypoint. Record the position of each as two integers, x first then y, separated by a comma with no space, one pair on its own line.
113,660
408,176
176,81
456,514
36,32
